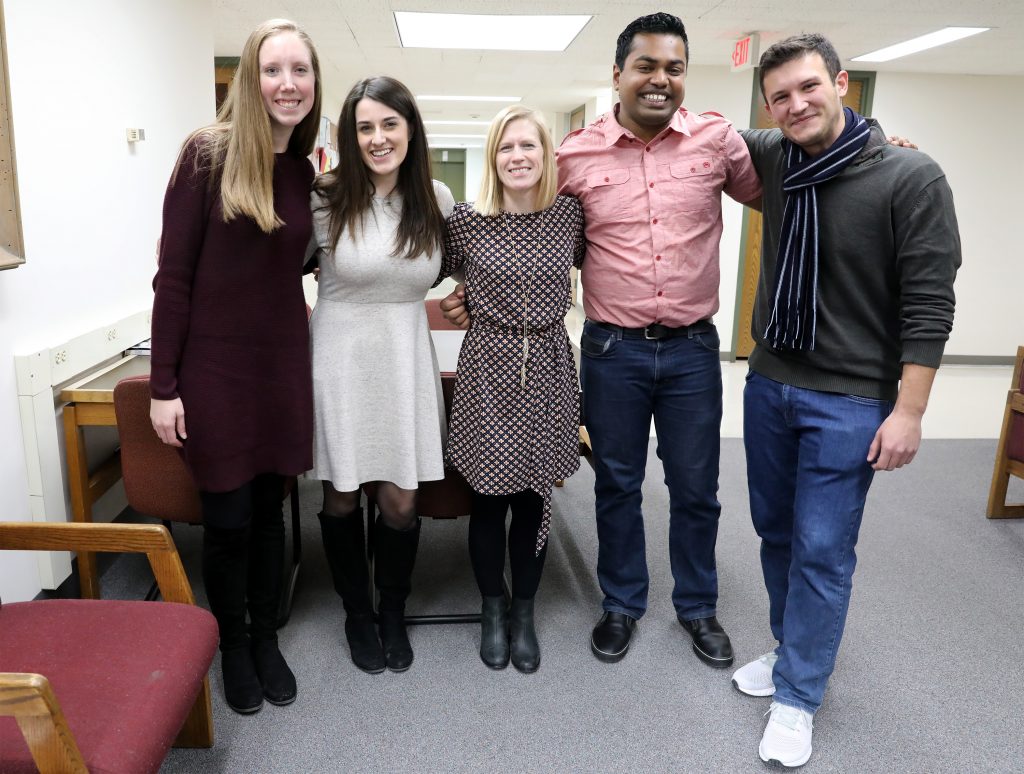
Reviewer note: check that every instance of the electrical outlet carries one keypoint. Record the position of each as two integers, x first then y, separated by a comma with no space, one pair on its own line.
135,135
60,356
112,334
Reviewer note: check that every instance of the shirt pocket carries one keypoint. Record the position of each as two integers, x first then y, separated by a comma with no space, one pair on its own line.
608,194
693,184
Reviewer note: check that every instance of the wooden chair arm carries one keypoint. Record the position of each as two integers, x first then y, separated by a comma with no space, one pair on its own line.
151,539
30,700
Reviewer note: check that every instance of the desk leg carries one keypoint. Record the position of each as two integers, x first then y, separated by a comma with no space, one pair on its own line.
81,508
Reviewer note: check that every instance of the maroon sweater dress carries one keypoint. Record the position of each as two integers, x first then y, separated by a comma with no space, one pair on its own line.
230,336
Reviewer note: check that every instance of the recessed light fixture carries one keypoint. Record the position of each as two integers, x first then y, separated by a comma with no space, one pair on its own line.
912,46
450,98
490,32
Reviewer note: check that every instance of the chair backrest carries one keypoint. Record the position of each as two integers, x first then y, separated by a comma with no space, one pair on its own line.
435,317
1015,431
156,480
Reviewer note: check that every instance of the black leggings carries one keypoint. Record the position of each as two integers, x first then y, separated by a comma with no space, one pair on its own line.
487,542
258,500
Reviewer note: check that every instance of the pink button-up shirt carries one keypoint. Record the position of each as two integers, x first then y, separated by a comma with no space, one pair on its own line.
654,215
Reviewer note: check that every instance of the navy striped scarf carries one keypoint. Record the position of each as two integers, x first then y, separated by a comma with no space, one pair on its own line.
794,312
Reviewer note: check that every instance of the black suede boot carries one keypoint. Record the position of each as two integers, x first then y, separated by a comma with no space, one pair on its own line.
266,579
524,646
395,556
345,546
494,648
225,556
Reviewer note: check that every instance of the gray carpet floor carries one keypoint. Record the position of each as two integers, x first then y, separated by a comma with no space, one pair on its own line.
928,678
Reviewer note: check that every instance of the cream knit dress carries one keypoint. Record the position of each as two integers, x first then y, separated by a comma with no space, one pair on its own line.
376,388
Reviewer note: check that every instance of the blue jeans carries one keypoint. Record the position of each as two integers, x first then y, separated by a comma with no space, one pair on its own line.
678,382
808,477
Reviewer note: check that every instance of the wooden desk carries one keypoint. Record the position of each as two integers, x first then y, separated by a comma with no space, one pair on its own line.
91,404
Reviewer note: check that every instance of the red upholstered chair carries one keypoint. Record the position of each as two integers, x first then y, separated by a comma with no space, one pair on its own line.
102,685
158,484
1010,452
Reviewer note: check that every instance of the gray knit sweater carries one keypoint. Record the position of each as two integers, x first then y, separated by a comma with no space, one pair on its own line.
889,250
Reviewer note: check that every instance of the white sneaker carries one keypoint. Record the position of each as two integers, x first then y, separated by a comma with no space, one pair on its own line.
787,737
755,679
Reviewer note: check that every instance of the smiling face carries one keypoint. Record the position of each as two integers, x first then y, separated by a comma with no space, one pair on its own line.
287,84
651,83
383,135
519,159
805,102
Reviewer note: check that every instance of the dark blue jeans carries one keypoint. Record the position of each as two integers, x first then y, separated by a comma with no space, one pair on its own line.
808,477
678,382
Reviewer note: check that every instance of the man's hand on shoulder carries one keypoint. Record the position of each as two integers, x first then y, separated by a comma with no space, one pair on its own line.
453,307
901,142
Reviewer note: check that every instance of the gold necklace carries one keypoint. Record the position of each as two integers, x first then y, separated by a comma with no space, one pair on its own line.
526,283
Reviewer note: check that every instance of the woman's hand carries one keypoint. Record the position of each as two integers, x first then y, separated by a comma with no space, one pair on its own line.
168,418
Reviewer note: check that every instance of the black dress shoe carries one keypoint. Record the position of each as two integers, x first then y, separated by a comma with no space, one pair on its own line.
710,642
611,636
273,672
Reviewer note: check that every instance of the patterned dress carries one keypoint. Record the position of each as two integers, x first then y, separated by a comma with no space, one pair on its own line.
508,435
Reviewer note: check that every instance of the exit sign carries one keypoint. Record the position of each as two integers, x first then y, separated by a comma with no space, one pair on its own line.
745,53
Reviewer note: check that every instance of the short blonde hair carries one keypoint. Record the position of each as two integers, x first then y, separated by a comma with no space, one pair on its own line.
490,199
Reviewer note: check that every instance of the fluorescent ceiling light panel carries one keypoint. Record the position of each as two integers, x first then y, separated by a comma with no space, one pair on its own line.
912,46
458,136
495,32
449,98
457,123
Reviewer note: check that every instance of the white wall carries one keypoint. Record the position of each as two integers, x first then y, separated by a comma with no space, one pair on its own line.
967,124
80,74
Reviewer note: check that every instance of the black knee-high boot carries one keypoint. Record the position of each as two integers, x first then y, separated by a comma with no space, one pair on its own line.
345,546
266,579
394,557
225,557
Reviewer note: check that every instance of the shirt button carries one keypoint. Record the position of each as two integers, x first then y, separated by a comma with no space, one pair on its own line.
693,169
657,257
655,221
652,185
606,179
648,149
659,293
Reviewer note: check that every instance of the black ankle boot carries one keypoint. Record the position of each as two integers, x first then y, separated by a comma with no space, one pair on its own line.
494,647
242,689
345,546
525,649
273,672
395,552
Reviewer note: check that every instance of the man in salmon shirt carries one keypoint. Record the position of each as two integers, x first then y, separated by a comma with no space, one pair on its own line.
650,176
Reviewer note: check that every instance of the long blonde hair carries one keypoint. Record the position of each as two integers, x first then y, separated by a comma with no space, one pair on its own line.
489,201
239,148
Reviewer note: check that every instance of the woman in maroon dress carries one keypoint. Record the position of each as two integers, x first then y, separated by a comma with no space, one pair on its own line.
230,381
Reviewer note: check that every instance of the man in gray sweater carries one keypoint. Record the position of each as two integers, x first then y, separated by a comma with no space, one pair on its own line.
854,306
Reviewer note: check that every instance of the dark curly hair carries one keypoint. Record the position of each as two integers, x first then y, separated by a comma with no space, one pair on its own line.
652,24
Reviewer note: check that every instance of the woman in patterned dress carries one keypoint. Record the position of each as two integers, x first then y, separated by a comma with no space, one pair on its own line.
515,418
378,223
231,343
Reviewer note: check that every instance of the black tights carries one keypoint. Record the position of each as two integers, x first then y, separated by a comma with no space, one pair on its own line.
397,505
243,557
487,542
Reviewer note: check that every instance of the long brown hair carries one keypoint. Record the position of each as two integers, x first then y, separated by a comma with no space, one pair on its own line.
239,148
347,192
